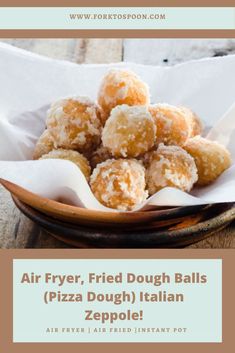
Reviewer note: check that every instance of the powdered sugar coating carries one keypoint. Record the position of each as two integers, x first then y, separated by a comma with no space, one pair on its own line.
72,156
75,123
211,158
171,123
44,145
119,184
194,122
129,131
122,87
171,166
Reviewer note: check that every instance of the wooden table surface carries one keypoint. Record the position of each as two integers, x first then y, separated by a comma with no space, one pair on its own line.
16,231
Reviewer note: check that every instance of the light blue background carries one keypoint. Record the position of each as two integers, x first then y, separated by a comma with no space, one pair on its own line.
58,18
201,313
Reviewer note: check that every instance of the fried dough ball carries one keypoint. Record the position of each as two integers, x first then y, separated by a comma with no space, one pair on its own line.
171,166
195,123
75,123
72,156
171,123
99,156
44,145
211,158
121,87
119,184
129,131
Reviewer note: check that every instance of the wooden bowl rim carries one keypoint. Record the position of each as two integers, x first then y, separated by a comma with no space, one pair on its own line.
187,235
49,207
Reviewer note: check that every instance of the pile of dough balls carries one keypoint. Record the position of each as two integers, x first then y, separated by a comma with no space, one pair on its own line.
127,148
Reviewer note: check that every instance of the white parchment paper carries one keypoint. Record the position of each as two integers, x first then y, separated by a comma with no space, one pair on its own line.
29,83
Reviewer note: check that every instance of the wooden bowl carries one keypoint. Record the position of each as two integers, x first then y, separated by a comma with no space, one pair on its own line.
181,232
98,219
79,227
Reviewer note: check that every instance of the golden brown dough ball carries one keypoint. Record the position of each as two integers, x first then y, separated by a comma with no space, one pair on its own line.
121,87
172,126
211,158
75,123
129,131
171,166
72,156
195,123
119,184
100,155
44,145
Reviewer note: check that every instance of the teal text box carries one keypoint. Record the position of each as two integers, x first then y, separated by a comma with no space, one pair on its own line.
117,18
198,318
